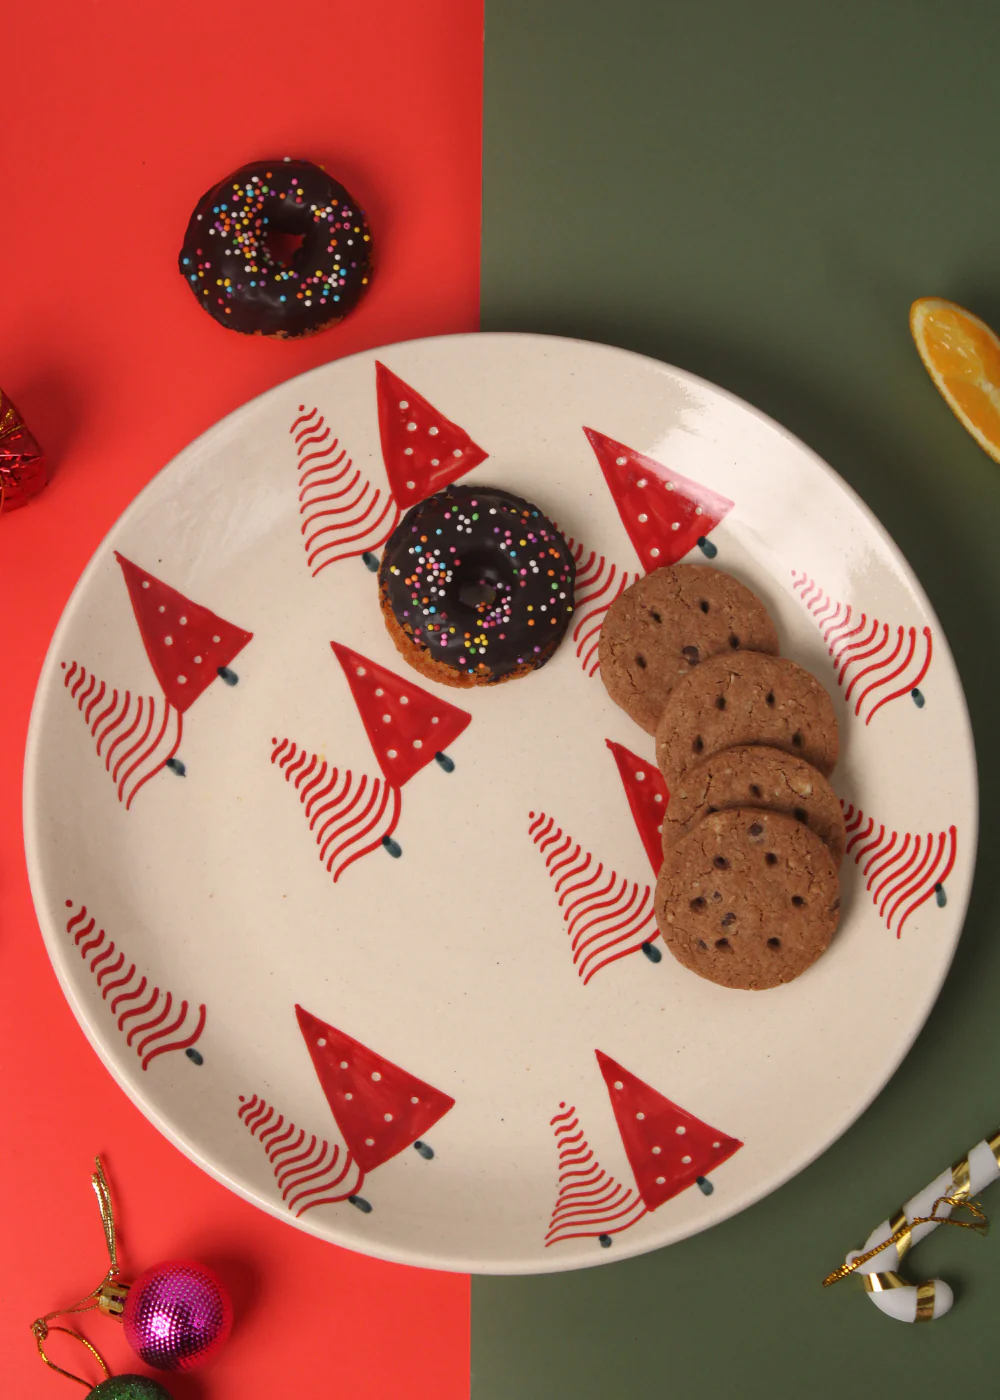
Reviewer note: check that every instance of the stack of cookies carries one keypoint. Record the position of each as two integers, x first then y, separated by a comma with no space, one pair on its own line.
748,895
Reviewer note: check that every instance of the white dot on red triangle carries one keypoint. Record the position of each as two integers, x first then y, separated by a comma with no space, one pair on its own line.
321,1042
376,1076
435,462
404,699
414,1099
369,1142
182,680
216,639
183,621
660,1180
457,452
640,1116
418,743
380,691
387,719
361,671
716,1144
434,719
407,451
642,519
343,1064
404,403
620,461
686,1160
145,583
640,776
387,1117
619,1084
162,608
657,1151
433,432
198,660
392,753
654,554
410,485
411,427
641,482
168,641
680,1130
698,510
657,796
348,1096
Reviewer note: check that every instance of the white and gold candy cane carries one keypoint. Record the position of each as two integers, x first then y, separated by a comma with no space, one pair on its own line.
889,1242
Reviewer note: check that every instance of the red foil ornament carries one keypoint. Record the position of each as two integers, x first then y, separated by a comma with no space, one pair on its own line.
177,1315
22,463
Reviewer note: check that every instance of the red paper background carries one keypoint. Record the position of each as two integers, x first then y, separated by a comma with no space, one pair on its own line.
116,117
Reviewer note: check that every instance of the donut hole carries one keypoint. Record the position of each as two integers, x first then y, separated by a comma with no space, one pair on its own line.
282,245
699,905
774,942
478,593
771,858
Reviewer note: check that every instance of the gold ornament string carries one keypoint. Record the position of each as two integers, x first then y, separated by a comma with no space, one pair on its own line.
902,1233
108,1295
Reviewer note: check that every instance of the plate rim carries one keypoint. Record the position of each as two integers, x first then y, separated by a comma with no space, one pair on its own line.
31,818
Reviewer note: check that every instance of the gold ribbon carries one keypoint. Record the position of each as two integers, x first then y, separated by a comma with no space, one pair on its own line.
109,1295
901,1237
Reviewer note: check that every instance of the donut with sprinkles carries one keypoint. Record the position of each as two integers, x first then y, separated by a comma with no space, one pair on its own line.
277,248
476,586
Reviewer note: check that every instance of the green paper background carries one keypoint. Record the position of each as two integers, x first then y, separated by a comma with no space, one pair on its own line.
757,190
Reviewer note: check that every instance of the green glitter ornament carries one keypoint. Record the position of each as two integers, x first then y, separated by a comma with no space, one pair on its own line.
129,1388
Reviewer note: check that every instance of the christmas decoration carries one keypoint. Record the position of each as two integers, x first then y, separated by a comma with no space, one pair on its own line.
889,1242
177,1315
422,449
591,1203
665,514
188,646
905,870
22,464
882,663
606,916
380,1109
647,799
668,1148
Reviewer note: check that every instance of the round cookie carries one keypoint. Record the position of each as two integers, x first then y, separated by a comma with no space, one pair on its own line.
669,621
748,898
756,776
746,698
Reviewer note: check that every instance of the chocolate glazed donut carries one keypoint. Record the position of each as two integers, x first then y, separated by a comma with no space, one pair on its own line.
231,257
476,586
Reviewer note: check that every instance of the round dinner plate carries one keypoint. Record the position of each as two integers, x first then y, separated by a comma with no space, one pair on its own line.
379,953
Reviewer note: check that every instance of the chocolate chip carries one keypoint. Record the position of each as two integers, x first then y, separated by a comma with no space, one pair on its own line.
800,814
728,920
722,942
721,863
720,702
734,641
769,698
754,790
756,829
702,943
698,744
699,905
835,905
641,661
774,942
704,605
771,858
691,655
797,740
655,615
710,810
798,901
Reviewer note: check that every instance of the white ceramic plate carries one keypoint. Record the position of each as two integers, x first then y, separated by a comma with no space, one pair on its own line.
454,960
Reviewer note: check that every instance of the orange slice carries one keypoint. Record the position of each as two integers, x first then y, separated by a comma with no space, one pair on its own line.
962,356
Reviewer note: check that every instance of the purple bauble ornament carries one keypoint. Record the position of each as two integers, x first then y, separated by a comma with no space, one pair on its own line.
177,1315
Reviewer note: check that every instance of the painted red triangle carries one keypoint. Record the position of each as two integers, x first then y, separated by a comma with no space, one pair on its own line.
668,1148
406,725
647,797
422,449
380,1109
186,643
665,514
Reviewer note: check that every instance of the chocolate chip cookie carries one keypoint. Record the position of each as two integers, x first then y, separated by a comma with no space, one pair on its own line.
665,624
746,698
755,776
748,899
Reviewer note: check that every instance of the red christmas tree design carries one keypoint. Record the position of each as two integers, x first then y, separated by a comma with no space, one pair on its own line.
668,1148
665,514
647,797
380,1109
422,449
407,726
188,645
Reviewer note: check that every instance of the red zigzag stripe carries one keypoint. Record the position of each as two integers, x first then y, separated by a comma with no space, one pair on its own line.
349,816
903,870
343,515
598,584
590,1201
878,662
136,735
606,918
155,1016
309,1172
